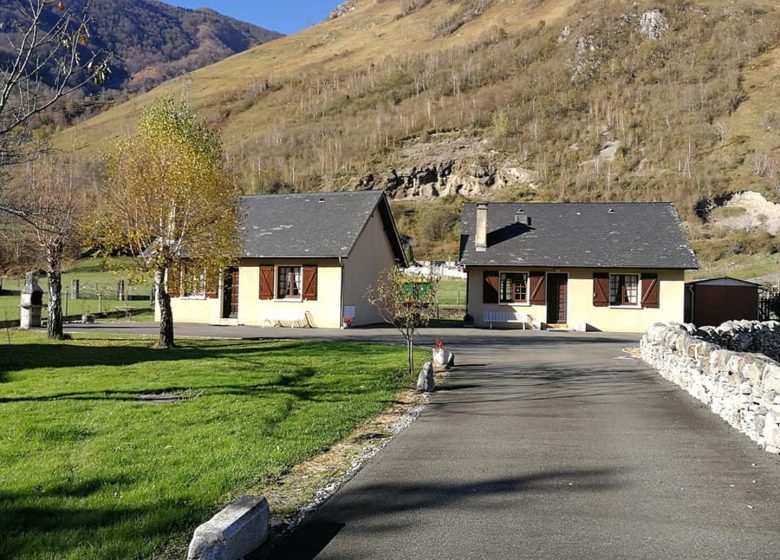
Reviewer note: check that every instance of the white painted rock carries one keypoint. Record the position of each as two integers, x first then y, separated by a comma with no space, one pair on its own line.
234,532
425,382
441,356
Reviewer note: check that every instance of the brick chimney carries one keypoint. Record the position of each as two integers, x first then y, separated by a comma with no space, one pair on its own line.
480,237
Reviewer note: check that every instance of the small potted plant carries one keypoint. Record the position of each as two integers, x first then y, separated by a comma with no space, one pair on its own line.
441,355
346,322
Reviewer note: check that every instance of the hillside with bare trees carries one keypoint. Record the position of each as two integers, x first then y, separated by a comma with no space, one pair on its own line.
441,100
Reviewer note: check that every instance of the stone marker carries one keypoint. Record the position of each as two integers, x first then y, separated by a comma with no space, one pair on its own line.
31,302
425,383
234,532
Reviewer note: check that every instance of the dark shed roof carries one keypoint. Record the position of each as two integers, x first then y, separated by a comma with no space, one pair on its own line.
723,281
321,225
596,235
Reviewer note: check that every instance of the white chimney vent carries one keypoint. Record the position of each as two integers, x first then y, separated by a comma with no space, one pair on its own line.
521,217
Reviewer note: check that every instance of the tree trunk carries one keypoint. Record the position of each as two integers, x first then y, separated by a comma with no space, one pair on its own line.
54,276
410,351
166,314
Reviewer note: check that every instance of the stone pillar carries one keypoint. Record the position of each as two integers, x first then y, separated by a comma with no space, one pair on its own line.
31,302
75,288
120,290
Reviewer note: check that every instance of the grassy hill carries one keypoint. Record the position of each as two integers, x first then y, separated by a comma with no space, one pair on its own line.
498,99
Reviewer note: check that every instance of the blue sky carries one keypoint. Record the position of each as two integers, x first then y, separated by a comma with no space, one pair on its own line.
286,16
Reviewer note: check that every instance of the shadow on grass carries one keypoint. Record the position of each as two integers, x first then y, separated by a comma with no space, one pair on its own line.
63,355
295,384
39,522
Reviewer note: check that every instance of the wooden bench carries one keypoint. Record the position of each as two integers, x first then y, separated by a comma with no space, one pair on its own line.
491,317
287,318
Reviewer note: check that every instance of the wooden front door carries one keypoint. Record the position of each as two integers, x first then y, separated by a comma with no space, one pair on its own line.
557,298
230,294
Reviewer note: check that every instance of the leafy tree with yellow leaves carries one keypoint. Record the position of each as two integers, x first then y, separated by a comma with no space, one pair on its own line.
171,201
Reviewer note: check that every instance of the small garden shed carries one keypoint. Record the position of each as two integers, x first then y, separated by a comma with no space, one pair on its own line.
716,300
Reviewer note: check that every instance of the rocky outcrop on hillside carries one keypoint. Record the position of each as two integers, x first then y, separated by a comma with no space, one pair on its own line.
588,54
454,167
344,8
746,210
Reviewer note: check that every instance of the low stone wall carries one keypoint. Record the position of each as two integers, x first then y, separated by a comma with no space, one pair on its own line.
722,368
745,336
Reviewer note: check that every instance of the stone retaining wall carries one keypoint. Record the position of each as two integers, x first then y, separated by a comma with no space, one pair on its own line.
722,368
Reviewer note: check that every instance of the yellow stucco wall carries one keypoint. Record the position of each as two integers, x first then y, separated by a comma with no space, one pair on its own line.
324,312
195,310
370,257
580,307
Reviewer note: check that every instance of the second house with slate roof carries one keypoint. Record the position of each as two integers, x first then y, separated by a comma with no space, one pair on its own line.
608,267
308,260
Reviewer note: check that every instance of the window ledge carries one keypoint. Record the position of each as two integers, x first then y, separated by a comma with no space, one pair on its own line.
289,300
514,304
193,298
625,307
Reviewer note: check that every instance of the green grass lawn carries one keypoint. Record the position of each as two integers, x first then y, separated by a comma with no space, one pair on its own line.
92,276
738,266
452,293
9,307
87,470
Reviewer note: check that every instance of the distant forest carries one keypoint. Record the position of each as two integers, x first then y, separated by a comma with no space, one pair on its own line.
150,42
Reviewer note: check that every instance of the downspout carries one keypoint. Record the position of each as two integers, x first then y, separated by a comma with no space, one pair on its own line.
341,295
467,292
693,304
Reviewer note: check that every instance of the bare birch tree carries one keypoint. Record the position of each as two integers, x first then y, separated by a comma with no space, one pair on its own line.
48,59
51,206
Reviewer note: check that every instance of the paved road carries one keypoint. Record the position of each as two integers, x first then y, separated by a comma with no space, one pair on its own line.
555,446
548,446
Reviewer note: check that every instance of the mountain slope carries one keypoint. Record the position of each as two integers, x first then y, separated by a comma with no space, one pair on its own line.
503,99
152,41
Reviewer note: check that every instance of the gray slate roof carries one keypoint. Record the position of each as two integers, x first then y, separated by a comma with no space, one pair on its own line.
316,225
596,235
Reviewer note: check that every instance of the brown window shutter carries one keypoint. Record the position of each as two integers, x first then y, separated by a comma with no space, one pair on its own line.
538,293
212,285
173,284
601,289
266,282
310,283
490,287
650,291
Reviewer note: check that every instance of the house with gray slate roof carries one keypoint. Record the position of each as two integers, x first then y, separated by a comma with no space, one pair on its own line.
308,260
605,266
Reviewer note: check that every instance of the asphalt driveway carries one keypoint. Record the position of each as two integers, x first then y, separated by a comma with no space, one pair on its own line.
554,446
546,446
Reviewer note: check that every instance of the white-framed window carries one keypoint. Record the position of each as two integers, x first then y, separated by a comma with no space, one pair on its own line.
624,290
513,287
193,284
289,282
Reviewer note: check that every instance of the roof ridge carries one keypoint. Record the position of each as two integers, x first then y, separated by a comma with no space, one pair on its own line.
377,193
568,203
